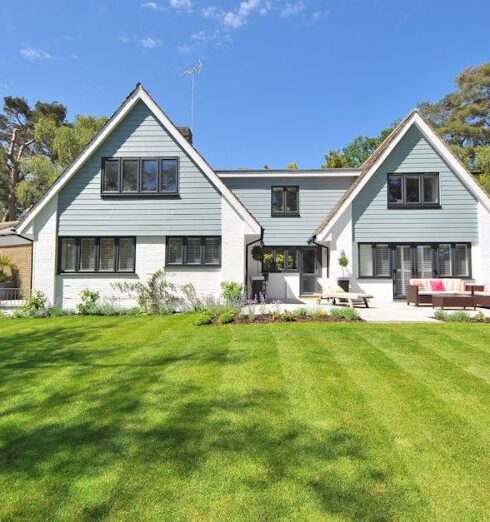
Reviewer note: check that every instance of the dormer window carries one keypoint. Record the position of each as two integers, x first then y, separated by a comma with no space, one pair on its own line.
140,177
285,201
419,190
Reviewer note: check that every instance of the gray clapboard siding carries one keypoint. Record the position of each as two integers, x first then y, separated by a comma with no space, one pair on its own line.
457,220
82,211
317,196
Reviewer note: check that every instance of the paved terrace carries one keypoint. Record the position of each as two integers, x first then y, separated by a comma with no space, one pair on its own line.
391,312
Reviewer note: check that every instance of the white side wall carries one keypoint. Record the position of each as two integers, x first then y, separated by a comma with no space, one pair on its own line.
44,250
480,252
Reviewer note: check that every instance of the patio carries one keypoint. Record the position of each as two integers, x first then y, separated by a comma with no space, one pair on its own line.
378,312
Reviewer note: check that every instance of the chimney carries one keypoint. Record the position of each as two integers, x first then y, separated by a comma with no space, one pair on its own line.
186,132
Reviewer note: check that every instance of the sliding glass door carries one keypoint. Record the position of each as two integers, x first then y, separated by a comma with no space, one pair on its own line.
403,270
424,262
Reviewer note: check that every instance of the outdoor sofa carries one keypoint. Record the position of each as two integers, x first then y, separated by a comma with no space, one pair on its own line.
421,291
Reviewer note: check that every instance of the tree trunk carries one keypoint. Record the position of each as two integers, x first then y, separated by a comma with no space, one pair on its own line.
12,198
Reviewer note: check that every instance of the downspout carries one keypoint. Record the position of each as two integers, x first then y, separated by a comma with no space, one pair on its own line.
246,254
313,241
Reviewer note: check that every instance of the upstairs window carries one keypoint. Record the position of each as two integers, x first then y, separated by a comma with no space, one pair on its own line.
413,190
140,176
285,201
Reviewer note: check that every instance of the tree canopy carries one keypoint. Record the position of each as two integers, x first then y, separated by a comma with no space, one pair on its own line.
36,144
461,118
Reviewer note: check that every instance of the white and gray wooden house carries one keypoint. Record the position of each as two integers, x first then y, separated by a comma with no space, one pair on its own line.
140,197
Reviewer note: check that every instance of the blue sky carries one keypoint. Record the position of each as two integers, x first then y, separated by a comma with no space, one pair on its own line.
283,80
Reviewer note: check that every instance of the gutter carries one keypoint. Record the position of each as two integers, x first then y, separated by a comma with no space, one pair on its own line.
312,241
246,254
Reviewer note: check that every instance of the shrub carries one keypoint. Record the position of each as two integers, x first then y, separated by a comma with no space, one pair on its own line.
203,319
35,306
6,262
460,316
227,317
480,317
193,301
232,292
156,296
344,314
287,315
89,300
318,314
301,313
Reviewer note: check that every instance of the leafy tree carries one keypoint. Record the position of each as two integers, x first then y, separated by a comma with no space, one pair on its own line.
462,117
357,152
17,141
35,145
293,166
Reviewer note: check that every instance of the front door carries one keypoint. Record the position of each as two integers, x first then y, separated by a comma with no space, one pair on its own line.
310,267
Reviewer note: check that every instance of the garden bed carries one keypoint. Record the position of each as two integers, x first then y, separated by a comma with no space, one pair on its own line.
461,316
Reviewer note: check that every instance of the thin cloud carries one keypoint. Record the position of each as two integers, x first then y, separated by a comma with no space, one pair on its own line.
238,17
181,4
292,9
150,43
34,55
124,39
154,6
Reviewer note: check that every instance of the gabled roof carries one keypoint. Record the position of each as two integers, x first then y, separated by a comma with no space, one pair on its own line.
288,173
371,165
140,94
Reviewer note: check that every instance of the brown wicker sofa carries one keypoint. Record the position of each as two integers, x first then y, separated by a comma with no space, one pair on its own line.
482,295
419,291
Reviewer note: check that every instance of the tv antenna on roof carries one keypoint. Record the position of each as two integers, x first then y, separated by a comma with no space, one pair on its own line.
193,70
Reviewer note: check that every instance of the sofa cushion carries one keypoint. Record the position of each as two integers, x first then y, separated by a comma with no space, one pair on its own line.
436,285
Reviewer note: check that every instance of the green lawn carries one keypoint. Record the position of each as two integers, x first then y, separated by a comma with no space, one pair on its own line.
151,418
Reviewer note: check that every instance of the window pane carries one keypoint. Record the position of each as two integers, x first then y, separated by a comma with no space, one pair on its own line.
292,259
106,263
292,200
382,257
193,251
444,257
462,261
277,200
279,261
87,254
413,195
212,250
430,189
395,189
111,176
365,261
126,255
130,175
149,175
267,262
174,255
168,182
68,255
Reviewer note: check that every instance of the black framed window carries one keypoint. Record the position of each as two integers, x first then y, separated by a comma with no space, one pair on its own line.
418,190
280,259
140,176
285,201
451,260
193,250
96,254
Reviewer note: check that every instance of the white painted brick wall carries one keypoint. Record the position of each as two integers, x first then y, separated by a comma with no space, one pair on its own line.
44,250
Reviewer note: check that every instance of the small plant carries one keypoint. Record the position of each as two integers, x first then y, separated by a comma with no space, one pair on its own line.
227,317
203,319
258,253
193,301
344,314
460,316
480,317
287,315
251,317
7,263
232,292
343,262
156,296
35,306
89,299
318,314
301,313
